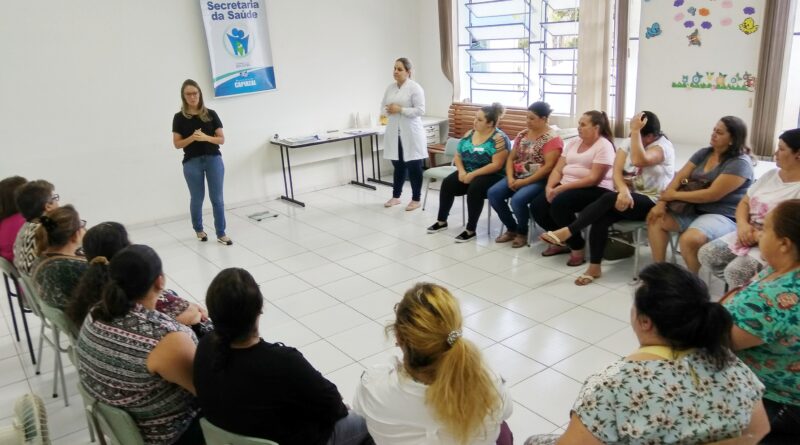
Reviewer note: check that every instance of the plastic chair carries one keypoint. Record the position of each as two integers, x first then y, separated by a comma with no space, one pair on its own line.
35,303
639,229
217,436
115,423
12,275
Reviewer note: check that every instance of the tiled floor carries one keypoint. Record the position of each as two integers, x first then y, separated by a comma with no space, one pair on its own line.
331,273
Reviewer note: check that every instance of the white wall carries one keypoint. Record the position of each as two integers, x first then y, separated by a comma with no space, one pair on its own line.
688,115
89,90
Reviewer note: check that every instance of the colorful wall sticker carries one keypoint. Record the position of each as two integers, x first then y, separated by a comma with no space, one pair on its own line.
653,30
715,80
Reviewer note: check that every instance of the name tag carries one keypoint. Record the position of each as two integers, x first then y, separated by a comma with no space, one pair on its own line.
477,149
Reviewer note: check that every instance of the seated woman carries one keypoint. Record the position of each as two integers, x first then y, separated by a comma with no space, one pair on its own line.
100,244
11,220
682,386
724,172
581,176
138,359
441,393
58,269
639,176
33,199
766,332
535,153
735,257
481,155
250,387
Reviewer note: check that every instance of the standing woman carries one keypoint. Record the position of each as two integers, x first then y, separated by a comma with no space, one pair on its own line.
198,131
404,143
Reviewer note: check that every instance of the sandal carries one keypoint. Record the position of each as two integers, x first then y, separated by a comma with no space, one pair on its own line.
576,261
202,236
551,238
584,279
555,250
519,241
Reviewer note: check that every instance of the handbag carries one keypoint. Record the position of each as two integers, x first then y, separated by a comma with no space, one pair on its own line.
687,185
616,249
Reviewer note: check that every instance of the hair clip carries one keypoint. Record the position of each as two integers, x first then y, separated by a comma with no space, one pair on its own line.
453,336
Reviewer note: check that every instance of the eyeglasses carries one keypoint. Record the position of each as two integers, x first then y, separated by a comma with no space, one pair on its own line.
192,94
83,224
54,198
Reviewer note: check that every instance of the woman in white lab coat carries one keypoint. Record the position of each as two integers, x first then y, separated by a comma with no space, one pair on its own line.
404,142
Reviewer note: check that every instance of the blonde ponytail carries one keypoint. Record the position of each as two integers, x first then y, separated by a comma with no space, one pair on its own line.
460,391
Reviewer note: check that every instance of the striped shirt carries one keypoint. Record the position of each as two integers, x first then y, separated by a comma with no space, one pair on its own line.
113,368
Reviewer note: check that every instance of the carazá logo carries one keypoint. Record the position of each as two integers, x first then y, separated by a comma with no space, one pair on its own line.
238,40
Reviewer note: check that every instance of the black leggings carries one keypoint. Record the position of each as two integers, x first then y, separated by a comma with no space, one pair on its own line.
561,212
475,191
784,421
601,214
193,435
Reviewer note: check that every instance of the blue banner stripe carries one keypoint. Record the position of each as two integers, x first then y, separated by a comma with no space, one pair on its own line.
253,81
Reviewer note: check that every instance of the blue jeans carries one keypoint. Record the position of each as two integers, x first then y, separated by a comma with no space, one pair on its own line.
520,203
350,430
196,171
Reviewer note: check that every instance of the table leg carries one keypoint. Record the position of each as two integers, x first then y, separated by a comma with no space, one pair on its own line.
289,191
376,152
355,161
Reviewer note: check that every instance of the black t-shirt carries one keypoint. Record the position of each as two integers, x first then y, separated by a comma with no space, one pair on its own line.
185,127
267,390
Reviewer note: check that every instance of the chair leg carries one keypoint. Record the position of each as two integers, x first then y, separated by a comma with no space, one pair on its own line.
637,237
463,211
427,187
9,294
59,367
39,354
27,331
489,222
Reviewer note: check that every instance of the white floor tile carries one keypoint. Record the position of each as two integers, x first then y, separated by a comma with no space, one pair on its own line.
376,305
586,324
304,261
495,262
400,251
346,318
622,343
325,357
346,380
429,262
498,323
524,423
339,251
363,262
306,302
512,366
362,341
545,344
282,287
548,394
390,274
349,288
496,289
616,304
327,273
585,363
537,306
566,289
265,272
460,275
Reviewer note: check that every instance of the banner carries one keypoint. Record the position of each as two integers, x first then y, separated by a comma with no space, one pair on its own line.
238,46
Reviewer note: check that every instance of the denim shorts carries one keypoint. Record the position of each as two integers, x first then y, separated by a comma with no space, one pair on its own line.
712,225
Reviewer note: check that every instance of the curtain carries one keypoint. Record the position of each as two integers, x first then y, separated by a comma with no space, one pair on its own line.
594,56
771,66
621,71
446,37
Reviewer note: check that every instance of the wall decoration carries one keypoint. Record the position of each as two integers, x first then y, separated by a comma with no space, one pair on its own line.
653,30
748,26
711,15
694,38
715,80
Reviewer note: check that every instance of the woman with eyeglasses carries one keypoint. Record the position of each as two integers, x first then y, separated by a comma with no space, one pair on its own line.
197,131
441,393
33,200
58,269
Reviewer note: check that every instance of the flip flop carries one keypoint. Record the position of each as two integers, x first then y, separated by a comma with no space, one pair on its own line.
551,238
576,261
584,279
555,250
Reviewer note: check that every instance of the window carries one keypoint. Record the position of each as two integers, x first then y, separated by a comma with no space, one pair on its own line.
520,51
791,108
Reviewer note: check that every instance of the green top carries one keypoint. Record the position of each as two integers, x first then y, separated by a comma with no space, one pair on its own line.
56,276
769,310
476,156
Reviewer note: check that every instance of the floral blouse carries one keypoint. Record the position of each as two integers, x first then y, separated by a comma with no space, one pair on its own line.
529,153
686,400
770,311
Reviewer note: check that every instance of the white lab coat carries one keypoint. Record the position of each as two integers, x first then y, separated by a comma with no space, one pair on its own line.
407,124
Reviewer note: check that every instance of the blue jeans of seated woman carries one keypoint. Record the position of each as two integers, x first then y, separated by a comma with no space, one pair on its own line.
197,171
520,203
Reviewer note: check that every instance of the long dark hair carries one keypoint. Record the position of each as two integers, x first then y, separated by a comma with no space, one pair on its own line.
738,131
8,189
234,302
678,303
786,222
100,244
132,273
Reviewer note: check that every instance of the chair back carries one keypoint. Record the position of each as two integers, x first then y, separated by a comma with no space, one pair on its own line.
115,423
60,321
451,146
31,295
217,436
8,268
